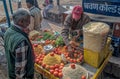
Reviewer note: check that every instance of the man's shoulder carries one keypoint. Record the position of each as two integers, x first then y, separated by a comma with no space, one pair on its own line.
11,32
69,17
8,31
34,11
85,15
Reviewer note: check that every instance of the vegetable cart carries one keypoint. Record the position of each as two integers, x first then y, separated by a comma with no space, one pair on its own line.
93,72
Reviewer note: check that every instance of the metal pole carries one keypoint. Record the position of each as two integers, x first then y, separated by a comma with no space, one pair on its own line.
6,12
10,4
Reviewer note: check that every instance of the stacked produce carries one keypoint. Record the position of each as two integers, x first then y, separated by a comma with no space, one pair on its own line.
52,42
34,34
58,50
56,70
46,36
52,59
51,62
74,71
37,48
77,58
59,41
39,59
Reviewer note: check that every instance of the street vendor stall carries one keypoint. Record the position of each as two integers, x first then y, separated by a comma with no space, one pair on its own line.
93,72
53,62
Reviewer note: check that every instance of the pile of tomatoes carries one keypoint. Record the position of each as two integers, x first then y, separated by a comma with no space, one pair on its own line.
56,69
77,58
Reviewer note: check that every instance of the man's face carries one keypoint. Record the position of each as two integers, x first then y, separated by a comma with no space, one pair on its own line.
28,5
25,22
76,19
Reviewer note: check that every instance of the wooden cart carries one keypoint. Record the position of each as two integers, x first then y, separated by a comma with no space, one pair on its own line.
94,73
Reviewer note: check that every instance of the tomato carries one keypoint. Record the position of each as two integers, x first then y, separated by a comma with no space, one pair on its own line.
75,51
43,56
35,45
72,66
55,73
56,69
36,60
56,52
47,42
60,75
78,60
35,53
61,64
52,67
58,49
80,54
81,57
51,71
56,66
61,67
52,54
60,70
43,65
41,59
71,60
75,55
59,53
40,62
65,47
68,58
83,77
67,55
39,55
47,67
75,60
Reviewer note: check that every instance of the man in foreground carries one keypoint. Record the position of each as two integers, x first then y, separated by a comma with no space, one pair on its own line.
18,48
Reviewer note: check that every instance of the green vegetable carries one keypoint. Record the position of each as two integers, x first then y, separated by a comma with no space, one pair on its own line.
46,35
59,41
52,38
38,39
